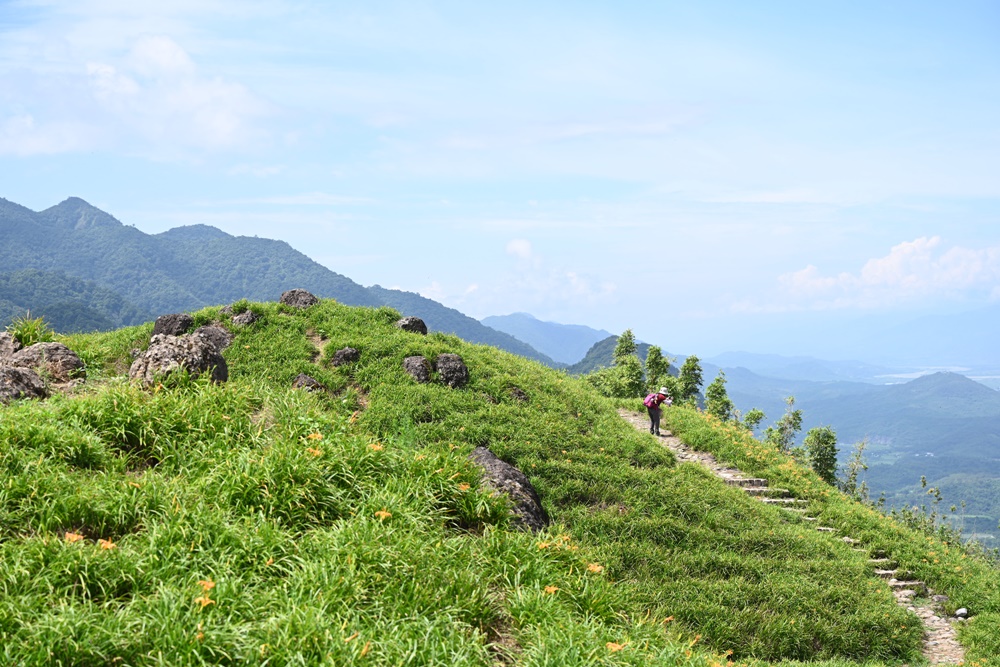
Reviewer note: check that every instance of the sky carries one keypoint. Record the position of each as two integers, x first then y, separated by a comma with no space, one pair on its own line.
712,175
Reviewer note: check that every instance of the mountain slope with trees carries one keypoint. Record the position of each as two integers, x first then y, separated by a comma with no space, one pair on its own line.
566,343
192,267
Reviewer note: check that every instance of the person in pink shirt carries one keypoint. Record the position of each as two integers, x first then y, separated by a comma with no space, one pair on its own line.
652,403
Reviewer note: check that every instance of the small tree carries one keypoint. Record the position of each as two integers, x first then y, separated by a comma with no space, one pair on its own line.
855,466
753,418
624,348
624,378
717,400
782,433
657,369
821,450
689,381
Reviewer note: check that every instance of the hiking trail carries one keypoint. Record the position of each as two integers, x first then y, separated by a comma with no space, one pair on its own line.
940,645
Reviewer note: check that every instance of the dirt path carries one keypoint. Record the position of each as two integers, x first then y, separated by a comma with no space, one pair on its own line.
940,646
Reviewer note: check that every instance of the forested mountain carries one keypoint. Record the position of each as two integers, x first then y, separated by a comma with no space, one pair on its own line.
191,267
566,343
68,304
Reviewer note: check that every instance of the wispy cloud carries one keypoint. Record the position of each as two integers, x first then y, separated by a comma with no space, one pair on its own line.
918,270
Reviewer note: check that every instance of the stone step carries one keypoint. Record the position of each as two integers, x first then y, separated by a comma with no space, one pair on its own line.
850,540
784,501
886,574
746,481
880,561
766,491
914,586
826,529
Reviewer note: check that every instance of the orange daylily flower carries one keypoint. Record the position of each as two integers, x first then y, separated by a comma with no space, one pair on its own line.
73,537
106,544
383,515
613,647
206,585
314,452
376,447
596,568
463,487
314,436
204,601
551,589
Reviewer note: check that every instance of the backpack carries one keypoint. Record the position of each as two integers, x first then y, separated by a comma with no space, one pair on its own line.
650,401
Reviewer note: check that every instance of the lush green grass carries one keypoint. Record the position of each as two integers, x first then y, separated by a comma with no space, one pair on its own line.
252,523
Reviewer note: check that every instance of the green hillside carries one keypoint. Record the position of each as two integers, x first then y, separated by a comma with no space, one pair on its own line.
250,523
191,267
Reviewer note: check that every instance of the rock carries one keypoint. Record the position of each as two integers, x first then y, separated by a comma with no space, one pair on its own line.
962,613
518,394
303,381
245,319
8,345
17,383
452,370
298,298
345,355
172,325
413,325
940,598
217,336
167,354
54,359
504,478
226,310
418,367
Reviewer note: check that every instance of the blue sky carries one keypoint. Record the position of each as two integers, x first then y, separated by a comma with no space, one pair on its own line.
694,171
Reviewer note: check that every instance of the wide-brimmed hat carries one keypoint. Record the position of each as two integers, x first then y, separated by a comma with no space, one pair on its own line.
663,390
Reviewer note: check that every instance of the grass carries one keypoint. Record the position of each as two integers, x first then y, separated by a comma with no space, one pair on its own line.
249,523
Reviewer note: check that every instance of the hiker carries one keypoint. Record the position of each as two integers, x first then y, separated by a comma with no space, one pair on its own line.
652,403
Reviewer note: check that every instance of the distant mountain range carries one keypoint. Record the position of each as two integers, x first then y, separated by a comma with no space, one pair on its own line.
184,269
566,343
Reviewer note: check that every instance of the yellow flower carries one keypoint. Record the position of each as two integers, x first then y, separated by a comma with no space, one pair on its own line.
549,590
463,487
206,585
204,601
106,544
314,436
314,452
382,515
596,568
376,447
73,537
613,647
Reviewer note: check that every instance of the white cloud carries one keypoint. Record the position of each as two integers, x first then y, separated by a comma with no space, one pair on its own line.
519,248
922,269
22,135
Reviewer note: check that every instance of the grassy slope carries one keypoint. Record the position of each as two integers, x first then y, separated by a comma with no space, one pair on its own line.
256,524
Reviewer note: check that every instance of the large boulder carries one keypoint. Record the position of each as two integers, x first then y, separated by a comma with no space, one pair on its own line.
418,367
168,354
217,336
8,345
503,478
345,355
174,324
298,298
17,383
53,359
452,370
412,324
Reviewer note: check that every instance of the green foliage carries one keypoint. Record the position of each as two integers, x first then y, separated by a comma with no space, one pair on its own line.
657,368
689,380
821,449
29,330
625,347
717,401
782,433
753,418
624,378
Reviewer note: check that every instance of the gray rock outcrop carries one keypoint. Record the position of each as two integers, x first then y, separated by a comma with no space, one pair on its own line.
17,383
298,298
418,367
452,370
215,335
518,394
174,324
346,355
504,478
303,381
53,359
8,345
245,319
168,354
412,324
